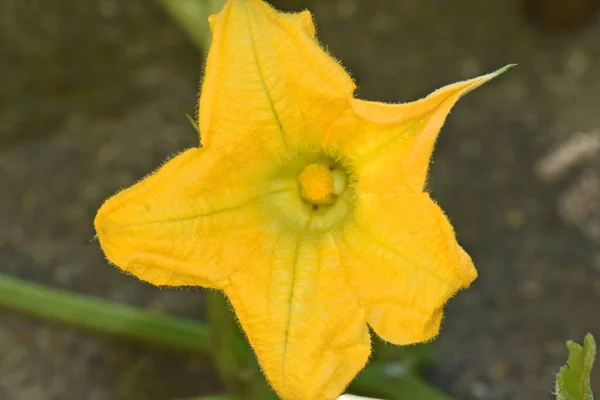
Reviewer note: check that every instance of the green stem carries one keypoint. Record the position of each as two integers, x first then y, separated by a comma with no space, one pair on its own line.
191,16
101,315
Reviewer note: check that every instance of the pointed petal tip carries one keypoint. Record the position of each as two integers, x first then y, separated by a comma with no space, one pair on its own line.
465,87
499,72
504,69
507,67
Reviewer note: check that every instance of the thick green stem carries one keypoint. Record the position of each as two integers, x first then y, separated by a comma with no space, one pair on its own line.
105,316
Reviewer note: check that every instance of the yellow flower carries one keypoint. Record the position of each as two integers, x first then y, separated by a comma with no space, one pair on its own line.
304,205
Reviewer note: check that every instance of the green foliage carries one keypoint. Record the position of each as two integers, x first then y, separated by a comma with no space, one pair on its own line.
573,380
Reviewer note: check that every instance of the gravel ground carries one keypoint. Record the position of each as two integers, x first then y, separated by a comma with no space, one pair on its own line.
94,96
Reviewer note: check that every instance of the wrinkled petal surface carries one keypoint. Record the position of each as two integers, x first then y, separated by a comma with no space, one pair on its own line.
301,317
268,85
402,259
177,226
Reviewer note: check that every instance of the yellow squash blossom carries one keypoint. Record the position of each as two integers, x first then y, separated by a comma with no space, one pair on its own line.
304,205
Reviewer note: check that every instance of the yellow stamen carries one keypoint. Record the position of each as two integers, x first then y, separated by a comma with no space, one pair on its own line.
317,184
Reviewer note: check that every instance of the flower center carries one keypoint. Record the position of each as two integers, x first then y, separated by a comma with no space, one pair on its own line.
310,191
320,183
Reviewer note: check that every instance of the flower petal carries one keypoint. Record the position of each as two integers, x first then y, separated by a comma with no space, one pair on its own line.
268,83
391,144
303,322
190,223
402,258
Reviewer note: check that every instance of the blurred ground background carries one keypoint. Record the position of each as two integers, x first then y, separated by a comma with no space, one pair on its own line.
93,95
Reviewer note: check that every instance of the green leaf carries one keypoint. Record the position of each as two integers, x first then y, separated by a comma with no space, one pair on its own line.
573,380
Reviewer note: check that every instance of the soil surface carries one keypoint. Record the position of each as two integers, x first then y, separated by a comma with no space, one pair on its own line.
93,96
